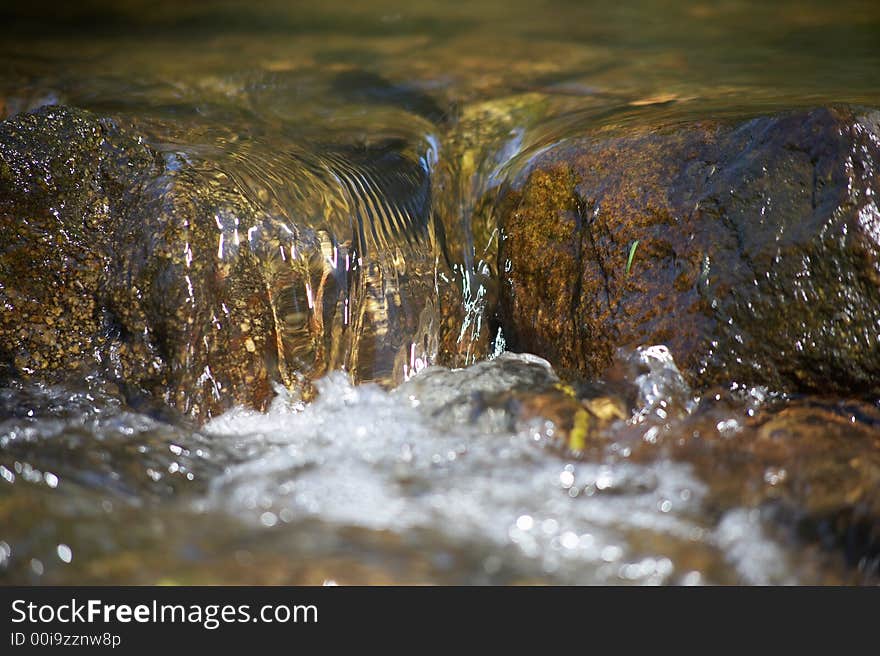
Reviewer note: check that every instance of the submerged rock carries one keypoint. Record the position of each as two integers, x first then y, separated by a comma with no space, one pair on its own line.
811,467
183,276
806,470
518,393
750,249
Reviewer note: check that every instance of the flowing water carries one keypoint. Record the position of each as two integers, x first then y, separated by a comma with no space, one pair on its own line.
318,114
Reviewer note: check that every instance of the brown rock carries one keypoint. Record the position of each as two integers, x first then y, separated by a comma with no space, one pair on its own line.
813,466
757,255
185,281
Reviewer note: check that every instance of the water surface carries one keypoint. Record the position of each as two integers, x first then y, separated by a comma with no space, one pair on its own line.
440,479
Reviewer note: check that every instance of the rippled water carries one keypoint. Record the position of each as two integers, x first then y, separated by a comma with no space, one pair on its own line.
452,476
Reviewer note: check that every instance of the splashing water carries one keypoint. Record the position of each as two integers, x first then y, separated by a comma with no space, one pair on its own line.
438,480
385,136
393,461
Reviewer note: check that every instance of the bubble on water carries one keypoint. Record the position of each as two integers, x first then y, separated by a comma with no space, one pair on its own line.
775,476
524,523
65,553
728,427
569,540
605,479
7,475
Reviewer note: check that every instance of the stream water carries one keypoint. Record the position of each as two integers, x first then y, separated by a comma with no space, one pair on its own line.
441,478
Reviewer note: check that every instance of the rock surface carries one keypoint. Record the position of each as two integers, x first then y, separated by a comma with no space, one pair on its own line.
811,467
189,283
758,254
66,179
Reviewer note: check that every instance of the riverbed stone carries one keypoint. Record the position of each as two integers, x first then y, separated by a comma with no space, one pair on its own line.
750,248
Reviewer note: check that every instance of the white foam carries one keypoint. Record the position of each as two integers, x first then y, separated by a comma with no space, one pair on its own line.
362,456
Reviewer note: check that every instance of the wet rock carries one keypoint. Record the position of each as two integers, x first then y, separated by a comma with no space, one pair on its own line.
442,392
806,469
811,466
178,273
518,392
90,275
754,250
59,170
802,471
